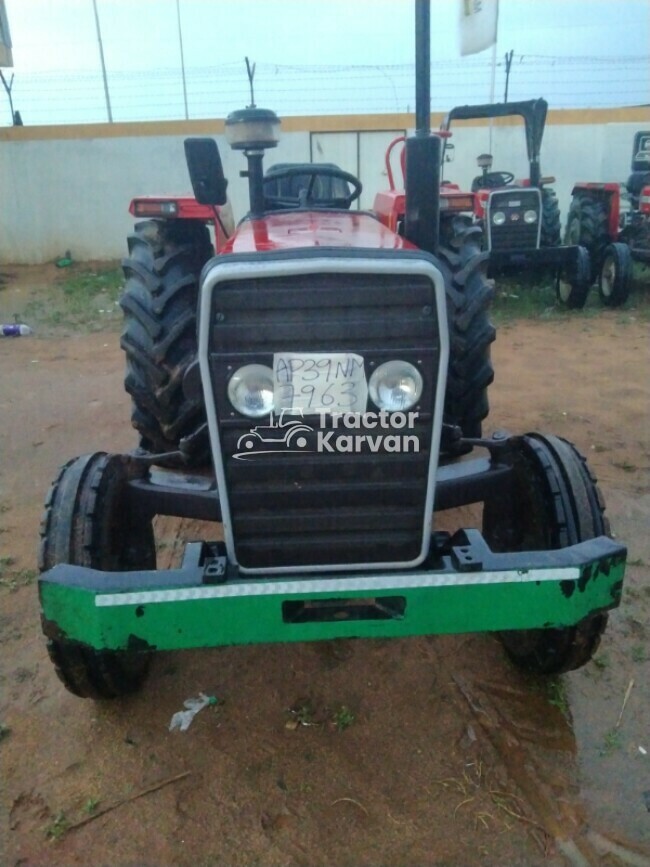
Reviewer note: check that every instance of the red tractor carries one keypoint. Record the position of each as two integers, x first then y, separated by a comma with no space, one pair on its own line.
378,341
613,222
520,219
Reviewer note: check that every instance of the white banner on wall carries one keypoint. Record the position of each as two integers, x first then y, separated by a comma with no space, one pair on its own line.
478,25
5,39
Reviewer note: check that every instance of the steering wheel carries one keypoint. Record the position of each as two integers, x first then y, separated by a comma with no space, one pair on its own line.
306,198
492,180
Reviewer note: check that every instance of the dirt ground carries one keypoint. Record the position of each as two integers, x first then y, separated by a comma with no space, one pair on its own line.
443,753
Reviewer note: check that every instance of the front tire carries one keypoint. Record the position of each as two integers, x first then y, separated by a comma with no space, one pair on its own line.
615,276
87,522
556,503
159,336
573,282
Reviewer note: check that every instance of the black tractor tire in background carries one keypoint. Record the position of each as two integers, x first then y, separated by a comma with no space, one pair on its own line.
160,338
87,522
469,295
551,232
556,503
615,275
588,225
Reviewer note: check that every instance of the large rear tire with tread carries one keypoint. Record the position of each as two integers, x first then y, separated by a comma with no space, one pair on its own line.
87,522
469,295
551,231
159,337
588,225
556,504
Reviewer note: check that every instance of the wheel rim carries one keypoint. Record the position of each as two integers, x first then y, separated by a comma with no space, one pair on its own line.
608,276
564,288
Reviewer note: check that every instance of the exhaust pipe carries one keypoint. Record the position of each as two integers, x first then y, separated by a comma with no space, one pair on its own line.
422,68
424,151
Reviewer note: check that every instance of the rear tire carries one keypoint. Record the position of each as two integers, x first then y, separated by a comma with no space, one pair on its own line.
615,275
556,504
551,232
159,337
588,225
87,522
469,295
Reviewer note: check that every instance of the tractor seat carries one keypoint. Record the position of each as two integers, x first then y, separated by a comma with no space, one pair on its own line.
636,182
325,189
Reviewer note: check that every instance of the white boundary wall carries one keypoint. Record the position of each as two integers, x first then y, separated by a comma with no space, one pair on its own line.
68,188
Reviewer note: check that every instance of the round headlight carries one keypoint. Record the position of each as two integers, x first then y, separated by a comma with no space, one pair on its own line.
395,386
250,390
498,218
530,216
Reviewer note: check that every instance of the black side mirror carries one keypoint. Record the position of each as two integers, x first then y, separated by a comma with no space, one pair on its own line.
206,172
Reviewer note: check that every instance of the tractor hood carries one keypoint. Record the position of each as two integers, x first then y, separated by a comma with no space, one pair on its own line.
299,229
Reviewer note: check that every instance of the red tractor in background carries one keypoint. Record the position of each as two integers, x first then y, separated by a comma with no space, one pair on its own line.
613,221
534,113
520,219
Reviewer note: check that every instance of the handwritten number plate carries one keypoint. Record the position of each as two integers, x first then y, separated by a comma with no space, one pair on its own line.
319,382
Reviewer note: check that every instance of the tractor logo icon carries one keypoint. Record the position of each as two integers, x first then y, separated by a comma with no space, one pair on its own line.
284,435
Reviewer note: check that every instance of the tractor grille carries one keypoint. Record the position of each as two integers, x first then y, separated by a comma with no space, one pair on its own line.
321,508
514,233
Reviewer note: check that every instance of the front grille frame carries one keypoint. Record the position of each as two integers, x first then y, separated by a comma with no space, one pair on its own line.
532,198
307,262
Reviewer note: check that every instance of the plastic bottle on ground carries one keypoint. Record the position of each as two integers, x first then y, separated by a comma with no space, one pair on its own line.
14,330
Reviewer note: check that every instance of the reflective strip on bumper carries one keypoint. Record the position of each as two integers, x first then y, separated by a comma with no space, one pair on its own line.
336,585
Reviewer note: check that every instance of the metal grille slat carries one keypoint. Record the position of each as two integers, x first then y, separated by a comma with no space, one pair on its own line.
305,496
514,237
322,295
293,521
256,333
351,548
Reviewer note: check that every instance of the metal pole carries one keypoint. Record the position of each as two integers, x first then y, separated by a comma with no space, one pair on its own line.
180,42
492,88
255,183
422,68
101,56
423,151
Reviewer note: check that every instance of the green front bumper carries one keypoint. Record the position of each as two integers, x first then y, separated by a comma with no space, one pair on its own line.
471,590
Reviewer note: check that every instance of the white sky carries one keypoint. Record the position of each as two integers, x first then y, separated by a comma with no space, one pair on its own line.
141,37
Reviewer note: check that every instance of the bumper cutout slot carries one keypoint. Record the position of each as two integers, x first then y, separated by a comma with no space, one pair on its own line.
333,610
